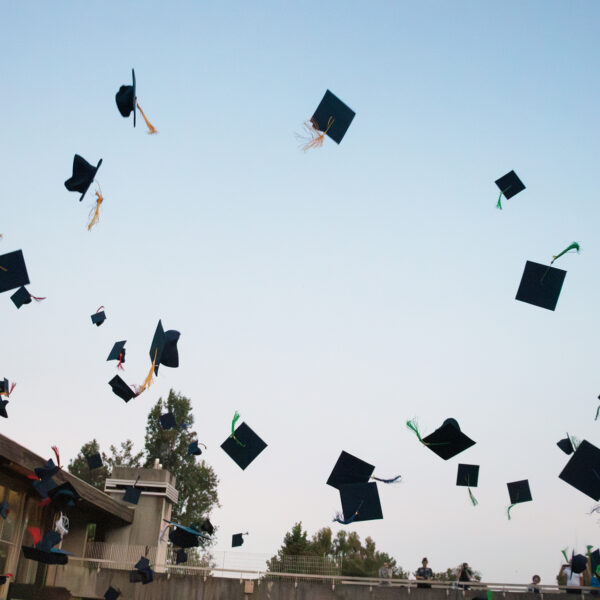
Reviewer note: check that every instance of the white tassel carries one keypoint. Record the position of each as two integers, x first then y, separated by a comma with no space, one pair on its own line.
62,525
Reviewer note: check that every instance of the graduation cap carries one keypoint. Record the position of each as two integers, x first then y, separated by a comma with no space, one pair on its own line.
126,99
142,572
468,476
207,527
22,296
510,185
4,509
13,272
4,578
170,354
180,556
348,469
98,317
540,285
3,412
243,445
360,502
447,441
331,118
111,594
132,493
156,349
184,537
583,470
237,539
118,353
519,492
43,486
4,387
47,471
43,549
121,389
94,461
566,445
167,421
83,175
578,563
63,495
194,450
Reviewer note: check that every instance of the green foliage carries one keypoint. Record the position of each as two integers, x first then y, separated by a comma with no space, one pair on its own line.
356,559
124,457
196,481
79,467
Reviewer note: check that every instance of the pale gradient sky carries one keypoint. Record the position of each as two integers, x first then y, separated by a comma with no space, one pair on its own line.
327,296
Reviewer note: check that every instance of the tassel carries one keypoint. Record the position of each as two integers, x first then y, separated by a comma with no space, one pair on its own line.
339,516
148,381
4,269
95,212
574,442
474,500
62,525
413,426
36,534
393,480
162,533
588,550
595,509
55,448
573,246
12,387
45,501
564,553
499,203
37,298
120,363
315,138
597,413
508,510
151,128
236,416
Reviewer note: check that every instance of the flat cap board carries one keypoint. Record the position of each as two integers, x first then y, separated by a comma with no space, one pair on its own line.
583,470
21,297
540,285
13,272
519,491
111,594
361,497
331,107
448,441
510,185
180,556
184,537
565,445
237,539
467,475
132,494
121,389
349,469
246,449
48,557
94,461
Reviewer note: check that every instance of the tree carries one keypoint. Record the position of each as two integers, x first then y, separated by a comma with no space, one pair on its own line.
124,457
79,467
196,482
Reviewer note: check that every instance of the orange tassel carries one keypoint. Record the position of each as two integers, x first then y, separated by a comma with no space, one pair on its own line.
148,381
151,128
95,212
315,138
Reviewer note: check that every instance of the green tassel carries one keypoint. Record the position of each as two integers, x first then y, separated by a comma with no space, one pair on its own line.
574,441
588,550
413,426
499,203
597,413
564,553
573,246
473,499
236,416
508,510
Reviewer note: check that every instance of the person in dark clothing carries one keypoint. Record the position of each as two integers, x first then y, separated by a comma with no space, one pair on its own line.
464,575
424,572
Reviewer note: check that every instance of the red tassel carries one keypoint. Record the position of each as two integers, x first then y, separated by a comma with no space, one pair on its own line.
33,476
120,363
12,387
37,298
99,309
45,501
7,575
36,534
55,448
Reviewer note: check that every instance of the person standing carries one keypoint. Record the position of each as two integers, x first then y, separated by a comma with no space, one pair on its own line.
424,573
533,586
385,573
574,580
464,575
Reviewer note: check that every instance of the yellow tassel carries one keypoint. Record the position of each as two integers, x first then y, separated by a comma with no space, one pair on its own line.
151,128
148,381
95,217
315,138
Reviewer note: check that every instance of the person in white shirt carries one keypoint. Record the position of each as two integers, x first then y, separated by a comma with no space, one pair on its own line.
574,580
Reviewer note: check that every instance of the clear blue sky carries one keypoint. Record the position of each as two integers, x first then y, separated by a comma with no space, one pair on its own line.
327,296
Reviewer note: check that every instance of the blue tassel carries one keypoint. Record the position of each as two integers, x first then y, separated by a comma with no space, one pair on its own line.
339,517
393,480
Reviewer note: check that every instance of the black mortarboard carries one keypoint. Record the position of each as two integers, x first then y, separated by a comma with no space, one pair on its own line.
43,551
207,527
132,494
184,537
98,318
467,475
48,470
3,412
448,440
583,470
157,346
43,486
121,389
349,469
63,496
125,98
578,563
118,352
237,539
566,445
519,491
244,447
332,116
180,556
510,185
83,175
362,498
541,285
167,421
111,594
194,449
13,272
20,297
170,355
143,573
94,461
